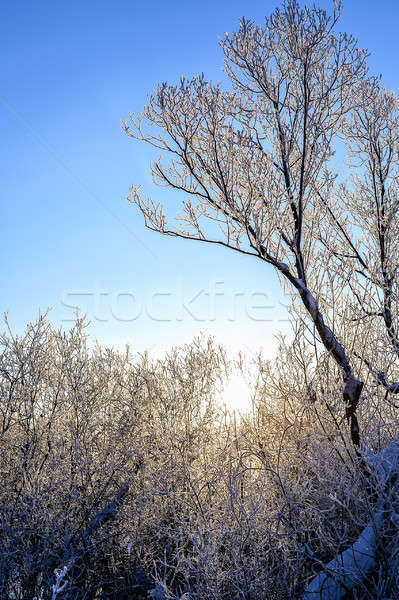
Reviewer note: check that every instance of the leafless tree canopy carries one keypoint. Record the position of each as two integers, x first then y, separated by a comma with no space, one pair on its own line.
296,164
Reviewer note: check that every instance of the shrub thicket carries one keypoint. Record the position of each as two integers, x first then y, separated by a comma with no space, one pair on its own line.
126,472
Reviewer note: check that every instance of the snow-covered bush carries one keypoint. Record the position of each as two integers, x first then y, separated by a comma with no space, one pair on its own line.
129,472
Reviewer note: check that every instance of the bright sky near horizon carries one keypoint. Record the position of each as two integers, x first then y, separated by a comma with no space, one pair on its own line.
70,72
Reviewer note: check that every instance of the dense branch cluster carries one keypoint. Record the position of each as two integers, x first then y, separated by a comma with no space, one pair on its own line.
124,478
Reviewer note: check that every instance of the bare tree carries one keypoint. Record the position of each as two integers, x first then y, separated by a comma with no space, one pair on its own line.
297,165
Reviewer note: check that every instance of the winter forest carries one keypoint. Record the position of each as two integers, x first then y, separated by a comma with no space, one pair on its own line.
122,475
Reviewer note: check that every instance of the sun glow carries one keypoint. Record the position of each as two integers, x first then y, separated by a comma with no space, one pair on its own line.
236,393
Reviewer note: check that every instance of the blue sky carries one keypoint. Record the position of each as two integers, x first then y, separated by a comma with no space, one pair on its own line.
69,73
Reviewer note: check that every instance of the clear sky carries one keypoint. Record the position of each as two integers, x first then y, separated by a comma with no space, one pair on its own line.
70,71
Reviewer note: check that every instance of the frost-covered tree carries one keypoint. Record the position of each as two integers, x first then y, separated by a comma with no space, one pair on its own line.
295,163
